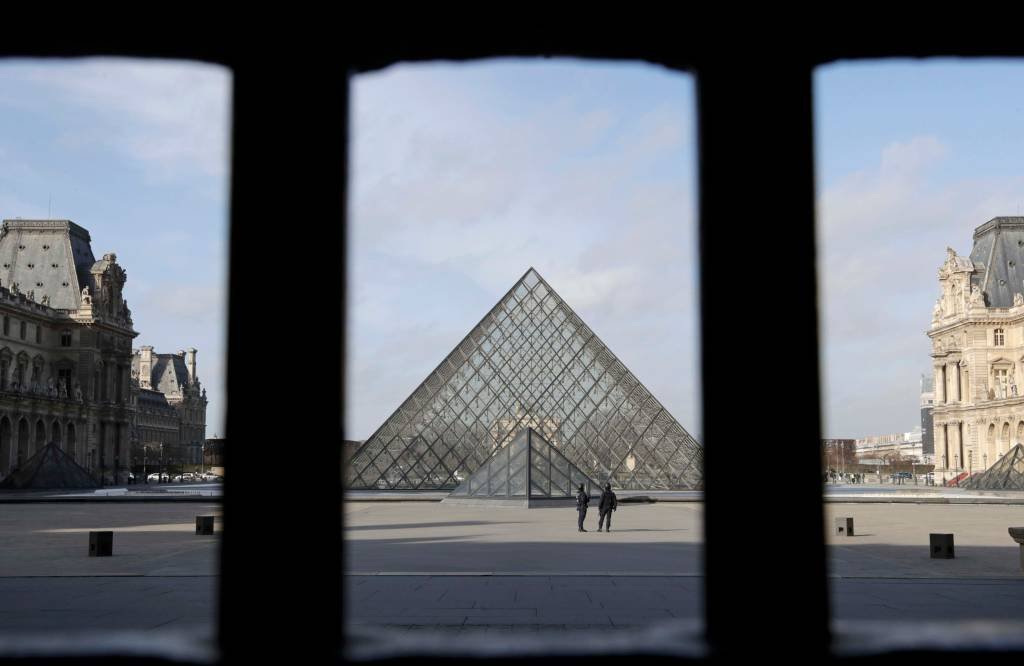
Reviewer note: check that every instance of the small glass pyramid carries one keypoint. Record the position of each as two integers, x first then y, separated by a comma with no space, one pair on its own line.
531,362
527,468
1006,474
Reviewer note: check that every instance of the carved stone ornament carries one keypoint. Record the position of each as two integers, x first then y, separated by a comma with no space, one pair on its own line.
976,297
1018,299
86,298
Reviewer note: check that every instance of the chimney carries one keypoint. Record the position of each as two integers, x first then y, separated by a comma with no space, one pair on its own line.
145,367
190,359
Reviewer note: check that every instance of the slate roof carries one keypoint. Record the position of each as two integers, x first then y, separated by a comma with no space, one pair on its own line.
56,254
999,250
169,374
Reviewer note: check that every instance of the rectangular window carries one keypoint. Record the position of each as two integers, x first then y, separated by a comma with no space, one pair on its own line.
23,327
39,334
998,337
65,338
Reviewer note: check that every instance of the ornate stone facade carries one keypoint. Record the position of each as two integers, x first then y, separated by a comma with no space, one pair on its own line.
977,336
66,352
170,407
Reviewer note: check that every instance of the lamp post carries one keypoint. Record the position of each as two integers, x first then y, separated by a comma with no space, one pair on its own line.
956,468
145,477
161,463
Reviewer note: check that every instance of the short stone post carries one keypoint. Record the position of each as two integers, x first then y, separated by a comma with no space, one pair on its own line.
843,526
101,544
941,546
204,525
1017,534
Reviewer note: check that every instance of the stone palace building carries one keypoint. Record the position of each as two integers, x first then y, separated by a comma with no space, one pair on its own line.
68,374
977,336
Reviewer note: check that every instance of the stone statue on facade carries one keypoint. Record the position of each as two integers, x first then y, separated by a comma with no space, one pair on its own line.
14,288
46,300
937,310
1018,299
1013,386
78,392
63,391
86,298
976,297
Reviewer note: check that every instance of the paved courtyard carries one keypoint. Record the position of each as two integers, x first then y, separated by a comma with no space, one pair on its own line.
425,566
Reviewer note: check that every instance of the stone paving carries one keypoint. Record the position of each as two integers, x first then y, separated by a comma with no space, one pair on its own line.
423,566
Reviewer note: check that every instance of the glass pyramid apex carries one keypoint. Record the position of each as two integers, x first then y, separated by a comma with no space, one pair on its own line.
531,362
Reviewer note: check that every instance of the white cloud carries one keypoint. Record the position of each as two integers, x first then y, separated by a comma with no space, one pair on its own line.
882,236
171,116
454,197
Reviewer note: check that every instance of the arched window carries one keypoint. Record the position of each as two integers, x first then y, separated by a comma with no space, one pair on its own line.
999,337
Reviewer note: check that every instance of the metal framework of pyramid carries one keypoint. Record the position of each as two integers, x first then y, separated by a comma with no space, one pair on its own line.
1006,474
531,362
527,470
50,467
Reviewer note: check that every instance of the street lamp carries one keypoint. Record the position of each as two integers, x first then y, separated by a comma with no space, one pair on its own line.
145,477
956,467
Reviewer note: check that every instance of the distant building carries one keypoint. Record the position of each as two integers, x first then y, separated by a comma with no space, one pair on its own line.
927,428
66,361
170,407
905,446
977,336
65,349
213,454
837,453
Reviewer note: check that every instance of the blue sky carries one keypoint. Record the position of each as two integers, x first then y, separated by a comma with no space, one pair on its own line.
135,152
911,157
466,174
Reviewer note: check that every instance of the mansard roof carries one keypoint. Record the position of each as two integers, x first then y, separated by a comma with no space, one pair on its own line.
999,248
48,257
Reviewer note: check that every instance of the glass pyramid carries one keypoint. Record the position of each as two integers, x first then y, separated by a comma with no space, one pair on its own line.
528,467
1006,474
530,363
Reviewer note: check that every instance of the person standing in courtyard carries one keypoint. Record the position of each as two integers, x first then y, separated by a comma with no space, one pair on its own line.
582,500
608,504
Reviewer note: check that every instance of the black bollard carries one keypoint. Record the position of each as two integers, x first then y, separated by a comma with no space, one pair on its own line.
204,525
941,546
101,544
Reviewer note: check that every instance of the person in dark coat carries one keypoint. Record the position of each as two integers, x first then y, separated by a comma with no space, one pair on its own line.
608,504
582,500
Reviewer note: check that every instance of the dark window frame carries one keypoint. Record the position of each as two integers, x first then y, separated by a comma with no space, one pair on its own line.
749,124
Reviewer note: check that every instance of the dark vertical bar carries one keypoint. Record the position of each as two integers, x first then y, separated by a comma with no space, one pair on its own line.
281,555
757,258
